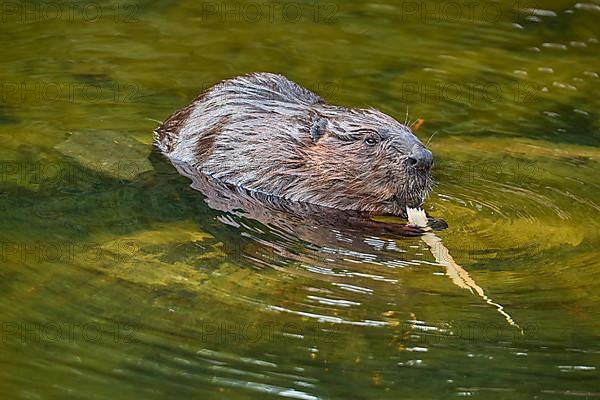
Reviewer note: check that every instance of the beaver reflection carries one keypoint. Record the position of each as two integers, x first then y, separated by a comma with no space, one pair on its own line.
310,223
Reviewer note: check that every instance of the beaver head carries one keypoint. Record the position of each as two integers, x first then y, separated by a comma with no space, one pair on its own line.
371,158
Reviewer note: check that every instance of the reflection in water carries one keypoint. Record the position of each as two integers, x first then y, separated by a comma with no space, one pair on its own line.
334,233
460,277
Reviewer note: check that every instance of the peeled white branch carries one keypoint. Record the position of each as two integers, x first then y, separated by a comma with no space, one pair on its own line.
459,276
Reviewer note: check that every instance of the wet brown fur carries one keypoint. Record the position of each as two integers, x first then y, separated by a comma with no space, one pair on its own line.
254,132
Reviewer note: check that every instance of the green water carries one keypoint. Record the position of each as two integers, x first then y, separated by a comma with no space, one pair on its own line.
117,281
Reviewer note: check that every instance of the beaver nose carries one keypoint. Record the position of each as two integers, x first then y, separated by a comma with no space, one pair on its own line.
420,158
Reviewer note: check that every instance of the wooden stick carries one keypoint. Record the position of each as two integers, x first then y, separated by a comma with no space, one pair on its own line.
459,276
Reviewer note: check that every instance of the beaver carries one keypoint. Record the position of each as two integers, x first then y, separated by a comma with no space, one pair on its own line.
267,134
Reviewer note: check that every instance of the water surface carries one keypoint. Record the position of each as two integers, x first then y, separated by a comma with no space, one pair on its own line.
118,281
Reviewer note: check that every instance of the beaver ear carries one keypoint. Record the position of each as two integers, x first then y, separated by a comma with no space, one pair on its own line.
317,130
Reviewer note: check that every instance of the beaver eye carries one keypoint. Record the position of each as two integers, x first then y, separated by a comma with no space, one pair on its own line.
371,141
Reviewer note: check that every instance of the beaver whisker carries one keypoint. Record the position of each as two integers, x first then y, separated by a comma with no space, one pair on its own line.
430,137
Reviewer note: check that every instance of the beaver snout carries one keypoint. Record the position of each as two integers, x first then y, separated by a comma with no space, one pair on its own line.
420,158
